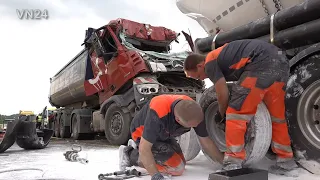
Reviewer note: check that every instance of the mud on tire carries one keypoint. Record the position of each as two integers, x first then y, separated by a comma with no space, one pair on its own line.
303,112
258,135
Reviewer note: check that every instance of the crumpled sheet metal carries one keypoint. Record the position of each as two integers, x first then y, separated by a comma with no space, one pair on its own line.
179,56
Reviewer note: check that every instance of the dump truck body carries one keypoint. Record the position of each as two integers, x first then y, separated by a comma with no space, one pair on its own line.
122,66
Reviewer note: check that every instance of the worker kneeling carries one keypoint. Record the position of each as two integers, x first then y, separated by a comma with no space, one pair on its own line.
261,72
153,131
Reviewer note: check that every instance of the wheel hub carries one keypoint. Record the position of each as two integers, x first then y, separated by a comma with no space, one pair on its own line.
116,123
308,114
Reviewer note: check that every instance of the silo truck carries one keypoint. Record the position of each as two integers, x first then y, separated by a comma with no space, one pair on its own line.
293,26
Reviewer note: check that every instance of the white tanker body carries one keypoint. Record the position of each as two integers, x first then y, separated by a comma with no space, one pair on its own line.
292,25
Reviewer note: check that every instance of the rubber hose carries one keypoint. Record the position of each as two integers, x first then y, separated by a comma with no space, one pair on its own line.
21,169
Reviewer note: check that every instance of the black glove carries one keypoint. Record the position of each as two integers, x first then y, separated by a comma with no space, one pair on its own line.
159,176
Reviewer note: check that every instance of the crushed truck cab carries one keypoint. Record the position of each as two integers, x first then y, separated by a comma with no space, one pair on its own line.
122,66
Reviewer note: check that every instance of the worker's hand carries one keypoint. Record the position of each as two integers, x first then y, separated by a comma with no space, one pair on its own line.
218,118
159,176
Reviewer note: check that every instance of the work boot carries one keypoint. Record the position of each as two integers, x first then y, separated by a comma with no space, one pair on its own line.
132,144
231,166
124,160
284,168
231,163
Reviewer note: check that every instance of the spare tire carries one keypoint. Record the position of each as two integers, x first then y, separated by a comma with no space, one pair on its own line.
303,112
258,135
189,145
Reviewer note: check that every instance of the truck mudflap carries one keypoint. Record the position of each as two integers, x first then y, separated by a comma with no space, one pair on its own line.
25,134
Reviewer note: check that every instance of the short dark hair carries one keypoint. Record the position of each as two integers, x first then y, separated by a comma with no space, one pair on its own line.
189,110
191,62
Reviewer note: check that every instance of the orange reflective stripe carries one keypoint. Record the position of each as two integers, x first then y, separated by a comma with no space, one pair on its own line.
213,55
137,133
240,64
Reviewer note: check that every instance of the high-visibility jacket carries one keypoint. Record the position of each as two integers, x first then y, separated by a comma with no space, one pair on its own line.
39,119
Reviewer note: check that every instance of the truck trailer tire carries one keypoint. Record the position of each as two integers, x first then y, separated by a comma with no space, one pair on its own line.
75,132
56,129
64,130
189,145
117,125
258,135
303,112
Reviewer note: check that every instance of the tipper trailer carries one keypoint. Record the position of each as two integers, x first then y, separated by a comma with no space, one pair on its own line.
122,66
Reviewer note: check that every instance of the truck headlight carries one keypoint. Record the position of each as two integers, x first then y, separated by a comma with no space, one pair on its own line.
147,89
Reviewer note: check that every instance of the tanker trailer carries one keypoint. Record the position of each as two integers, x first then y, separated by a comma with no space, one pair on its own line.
291,26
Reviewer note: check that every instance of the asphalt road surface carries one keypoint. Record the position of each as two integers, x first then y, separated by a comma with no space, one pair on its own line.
49,163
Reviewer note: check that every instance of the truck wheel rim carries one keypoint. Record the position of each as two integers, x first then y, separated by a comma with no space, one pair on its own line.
219,134
116,123
215,131
308,113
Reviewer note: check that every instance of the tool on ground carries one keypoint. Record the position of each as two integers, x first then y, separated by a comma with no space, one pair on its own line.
73,155
240,174
127,175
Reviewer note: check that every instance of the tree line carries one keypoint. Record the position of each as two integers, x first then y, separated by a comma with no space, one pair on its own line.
3,117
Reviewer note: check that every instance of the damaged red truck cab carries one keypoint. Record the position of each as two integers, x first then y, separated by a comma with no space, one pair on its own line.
123,65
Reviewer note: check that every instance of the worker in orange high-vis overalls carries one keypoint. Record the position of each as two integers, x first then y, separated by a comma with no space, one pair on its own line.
153,130
261,72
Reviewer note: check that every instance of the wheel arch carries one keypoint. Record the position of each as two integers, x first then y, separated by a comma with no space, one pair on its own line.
304,54
121,100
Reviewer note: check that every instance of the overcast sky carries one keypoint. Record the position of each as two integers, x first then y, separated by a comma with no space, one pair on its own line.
32,51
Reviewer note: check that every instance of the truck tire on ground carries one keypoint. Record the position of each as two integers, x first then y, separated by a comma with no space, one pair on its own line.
258,135
117,125
53,128
75,133
56,129
303,111
189,145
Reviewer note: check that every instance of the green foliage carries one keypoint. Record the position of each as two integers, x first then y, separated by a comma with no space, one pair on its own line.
12,116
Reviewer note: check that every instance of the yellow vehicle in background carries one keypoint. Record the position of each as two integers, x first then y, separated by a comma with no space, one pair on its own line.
26,113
